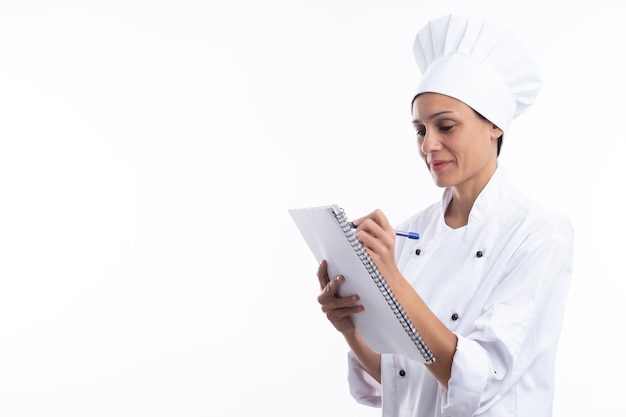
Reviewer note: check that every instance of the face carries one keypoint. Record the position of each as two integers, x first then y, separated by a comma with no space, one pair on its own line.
458,147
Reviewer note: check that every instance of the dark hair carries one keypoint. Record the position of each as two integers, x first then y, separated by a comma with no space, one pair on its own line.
480,116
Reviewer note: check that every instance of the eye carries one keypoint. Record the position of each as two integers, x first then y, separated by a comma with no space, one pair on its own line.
446,128
420,129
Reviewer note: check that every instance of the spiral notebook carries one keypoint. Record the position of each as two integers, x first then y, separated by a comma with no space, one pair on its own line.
383,324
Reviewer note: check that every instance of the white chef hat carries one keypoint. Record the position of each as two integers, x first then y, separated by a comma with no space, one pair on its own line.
478,63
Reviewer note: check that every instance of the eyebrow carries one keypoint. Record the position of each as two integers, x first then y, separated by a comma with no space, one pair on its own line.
432,116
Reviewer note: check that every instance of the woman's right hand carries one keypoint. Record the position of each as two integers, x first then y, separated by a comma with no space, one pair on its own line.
337,309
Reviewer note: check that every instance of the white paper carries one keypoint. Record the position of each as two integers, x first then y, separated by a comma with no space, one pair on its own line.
377,324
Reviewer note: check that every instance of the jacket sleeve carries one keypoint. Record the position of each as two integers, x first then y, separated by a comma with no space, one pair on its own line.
519,326
365,389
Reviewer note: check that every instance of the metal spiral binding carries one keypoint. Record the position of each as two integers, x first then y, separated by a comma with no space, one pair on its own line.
397,309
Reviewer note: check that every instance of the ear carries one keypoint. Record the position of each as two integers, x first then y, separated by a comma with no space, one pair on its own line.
496,132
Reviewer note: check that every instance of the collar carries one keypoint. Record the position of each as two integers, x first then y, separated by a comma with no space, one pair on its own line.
486,205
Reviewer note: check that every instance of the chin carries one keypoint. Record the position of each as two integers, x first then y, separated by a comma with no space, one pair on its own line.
441,182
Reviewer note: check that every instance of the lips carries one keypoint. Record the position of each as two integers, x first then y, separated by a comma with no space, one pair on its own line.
438,165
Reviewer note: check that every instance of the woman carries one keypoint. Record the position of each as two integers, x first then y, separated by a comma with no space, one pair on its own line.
486,285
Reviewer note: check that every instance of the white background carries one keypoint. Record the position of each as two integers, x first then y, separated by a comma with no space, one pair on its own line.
149,151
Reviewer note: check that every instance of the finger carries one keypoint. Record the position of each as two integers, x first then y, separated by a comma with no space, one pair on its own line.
331,288
341,313
377,224
338,303
322,274
368,228
379,217
329,294
376,234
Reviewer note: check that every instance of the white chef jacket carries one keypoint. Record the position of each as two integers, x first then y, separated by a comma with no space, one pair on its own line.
500,284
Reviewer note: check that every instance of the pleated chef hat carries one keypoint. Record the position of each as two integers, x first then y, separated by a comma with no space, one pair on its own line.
478,63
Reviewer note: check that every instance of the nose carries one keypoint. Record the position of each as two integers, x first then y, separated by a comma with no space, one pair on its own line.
430,143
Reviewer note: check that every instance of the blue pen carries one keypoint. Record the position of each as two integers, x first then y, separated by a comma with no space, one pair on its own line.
410,235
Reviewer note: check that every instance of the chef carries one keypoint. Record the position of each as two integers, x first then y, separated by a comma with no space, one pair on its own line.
486,284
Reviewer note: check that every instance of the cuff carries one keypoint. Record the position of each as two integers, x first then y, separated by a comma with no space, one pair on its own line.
470,367
363,387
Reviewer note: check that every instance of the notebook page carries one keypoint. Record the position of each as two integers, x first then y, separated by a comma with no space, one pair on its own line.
377,324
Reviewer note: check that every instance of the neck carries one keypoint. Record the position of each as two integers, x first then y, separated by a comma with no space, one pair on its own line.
457,213
463,197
